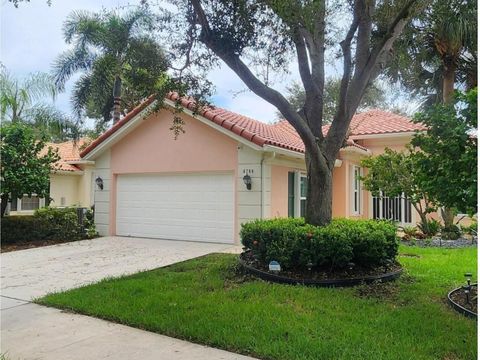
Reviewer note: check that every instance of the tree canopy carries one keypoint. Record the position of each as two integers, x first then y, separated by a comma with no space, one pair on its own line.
24,101
395,173
257,39
447,152
375,97
116,56
26,166
438,43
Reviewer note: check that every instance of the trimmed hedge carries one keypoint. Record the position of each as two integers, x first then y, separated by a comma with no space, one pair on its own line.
298,246
46,224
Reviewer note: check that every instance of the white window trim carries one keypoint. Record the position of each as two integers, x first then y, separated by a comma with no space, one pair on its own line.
402,215
356,192
297,193
41,203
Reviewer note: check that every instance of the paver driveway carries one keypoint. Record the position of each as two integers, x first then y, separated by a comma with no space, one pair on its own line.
30,331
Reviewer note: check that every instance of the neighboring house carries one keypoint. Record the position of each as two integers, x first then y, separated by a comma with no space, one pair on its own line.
148,184
70,182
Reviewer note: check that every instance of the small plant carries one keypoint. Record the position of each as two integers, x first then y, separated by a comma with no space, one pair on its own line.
430,228
410,232
451,232
89,224
470,229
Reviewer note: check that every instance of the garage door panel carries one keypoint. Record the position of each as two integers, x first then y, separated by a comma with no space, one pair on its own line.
196,207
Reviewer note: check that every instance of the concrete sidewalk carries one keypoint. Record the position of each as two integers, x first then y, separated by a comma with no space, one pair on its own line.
30,331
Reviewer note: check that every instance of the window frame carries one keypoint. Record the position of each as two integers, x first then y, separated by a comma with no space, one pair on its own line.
356,191
20,210
399,202
302,176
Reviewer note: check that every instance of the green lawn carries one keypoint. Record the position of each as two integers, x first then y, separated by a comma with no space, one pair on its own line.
207,302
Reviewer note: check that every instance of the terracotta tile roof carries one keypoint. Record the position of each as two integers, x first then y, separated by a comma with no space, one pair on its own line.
281,133
382,122
68,151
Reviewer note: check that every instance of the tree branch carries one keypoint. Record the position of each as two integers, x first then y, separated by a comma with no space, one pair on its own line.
351,92
253,83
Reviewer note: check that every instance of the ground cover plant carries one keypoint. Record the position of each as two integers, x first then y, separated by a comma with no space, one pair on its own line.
207,301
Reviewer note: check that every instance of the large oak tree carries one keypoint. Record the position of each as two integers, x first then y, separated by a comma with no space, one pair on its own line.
258,38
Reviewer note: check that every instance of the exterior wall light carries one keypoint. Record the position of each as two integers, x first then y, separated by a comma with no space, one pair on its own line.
248,181
99,182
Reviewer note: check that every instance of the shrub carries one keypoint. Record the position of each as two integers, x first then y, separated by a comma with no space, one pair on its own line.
20,229
296,245
451,232
410,232
430,228
470,229
59,223
46,224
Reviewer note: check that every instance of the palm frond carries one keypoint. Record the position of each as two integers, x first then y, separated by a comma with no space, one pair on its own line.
81,94
47,119
37,86
83,28
69,62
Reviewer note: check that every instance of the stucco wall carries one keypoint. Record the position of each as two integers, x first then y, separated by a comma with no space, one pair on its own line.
280,167
152,148
280,191
64,186
340,191
102,197
253,203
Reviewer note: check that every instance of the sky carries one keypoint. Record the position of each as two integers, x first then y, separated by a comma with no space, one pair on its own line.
31,39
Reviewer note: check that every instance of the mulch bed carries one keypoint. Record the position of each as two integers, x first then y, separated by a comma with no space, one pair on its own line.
315,275
458,296
31,244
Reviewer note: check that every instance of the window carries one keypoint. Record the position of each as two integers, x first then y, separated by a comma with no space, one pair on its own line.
13,205
397,208
356,191
30,203
303,195
26,203
291,194
297,194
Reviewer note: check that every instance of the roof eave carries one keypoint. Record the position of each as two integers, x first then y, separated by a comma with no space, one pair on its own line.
385,135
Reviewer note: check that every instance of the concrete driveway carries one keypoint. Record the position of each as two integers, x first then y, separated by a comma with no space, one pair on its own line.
30,331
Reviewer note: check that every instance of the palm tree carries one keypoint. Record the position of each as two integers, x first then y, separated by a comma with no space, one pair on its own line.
23,101
436,53
120,63
453,35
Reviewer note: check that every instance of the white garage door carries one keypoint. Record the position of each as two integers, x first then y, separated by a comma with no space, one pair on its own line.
195,207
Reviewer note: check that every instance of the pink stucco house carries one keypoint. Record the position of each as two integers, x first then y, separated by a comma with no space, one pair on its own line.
147,184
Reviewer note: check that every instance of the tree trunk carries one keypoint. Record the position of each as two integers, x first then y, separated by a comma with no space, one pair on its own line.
448,82
4,199
319,191
449,68
117,97
448,215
